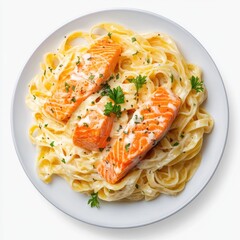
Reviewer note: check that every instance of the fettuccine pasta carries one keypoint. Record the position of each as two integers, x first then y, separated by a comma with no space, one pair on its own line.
169,165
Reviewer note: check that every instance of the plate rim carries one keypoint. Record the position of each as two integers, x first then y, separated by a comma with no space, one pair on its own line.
102,10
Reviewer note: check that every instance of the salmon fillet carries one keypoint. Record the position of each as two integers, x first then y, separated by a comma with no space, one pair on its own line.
148,125
93,69
92,132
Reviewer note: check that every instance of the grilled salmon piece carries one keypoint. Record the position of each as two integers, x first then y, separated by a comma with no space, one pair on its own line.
92,131
148,125
94,68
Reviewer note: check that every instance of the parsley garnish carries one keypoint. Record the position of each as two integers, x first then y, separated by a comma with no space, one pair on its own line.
101,149
110,35
73,88
117,76
34,97
73,99
176,144
100,75
172,78
60,65
138,81
134,39
197,85
63,160
148,60
111,77
105,90
127,147
182,136
52,144
93,201
45,125
92,77
50,69
78,61
116,95
79,117
110,108
85,124
44,72
67,86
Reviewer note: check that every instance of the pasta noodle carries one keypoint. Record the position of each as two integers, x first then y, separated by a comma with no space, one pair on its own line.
170,164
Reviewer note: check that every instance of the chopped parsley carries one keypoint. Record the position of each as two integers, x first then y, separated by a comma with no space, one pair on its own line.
50,69
79,117
197,85
110,35
94,201
105,90
134,39
67,86
73,87
92,77
110,108
60,65
101,149
117,76
63,160
78,61
45,125
100,75
44,73
116,95
85,124
172,78
148,60
138,81
127,147
182,136
52,144
111,77
176,144
34,97
73,99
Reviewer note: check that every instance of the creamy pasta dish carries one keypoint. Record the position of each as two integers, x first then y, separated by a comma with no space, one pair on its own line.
118,114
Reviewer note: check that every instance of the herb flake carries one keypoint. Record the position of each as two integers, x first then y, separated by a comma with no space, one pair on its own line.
94,201
127,147
110,35
67,86
197,85
138,81
134,39
78,61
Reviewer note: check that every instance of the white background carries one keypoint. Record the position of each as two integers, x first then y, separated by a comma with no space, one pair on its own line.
25,214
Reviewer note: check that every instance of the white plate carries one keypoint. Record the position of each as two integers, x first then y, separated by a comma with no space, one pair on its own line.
123,215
